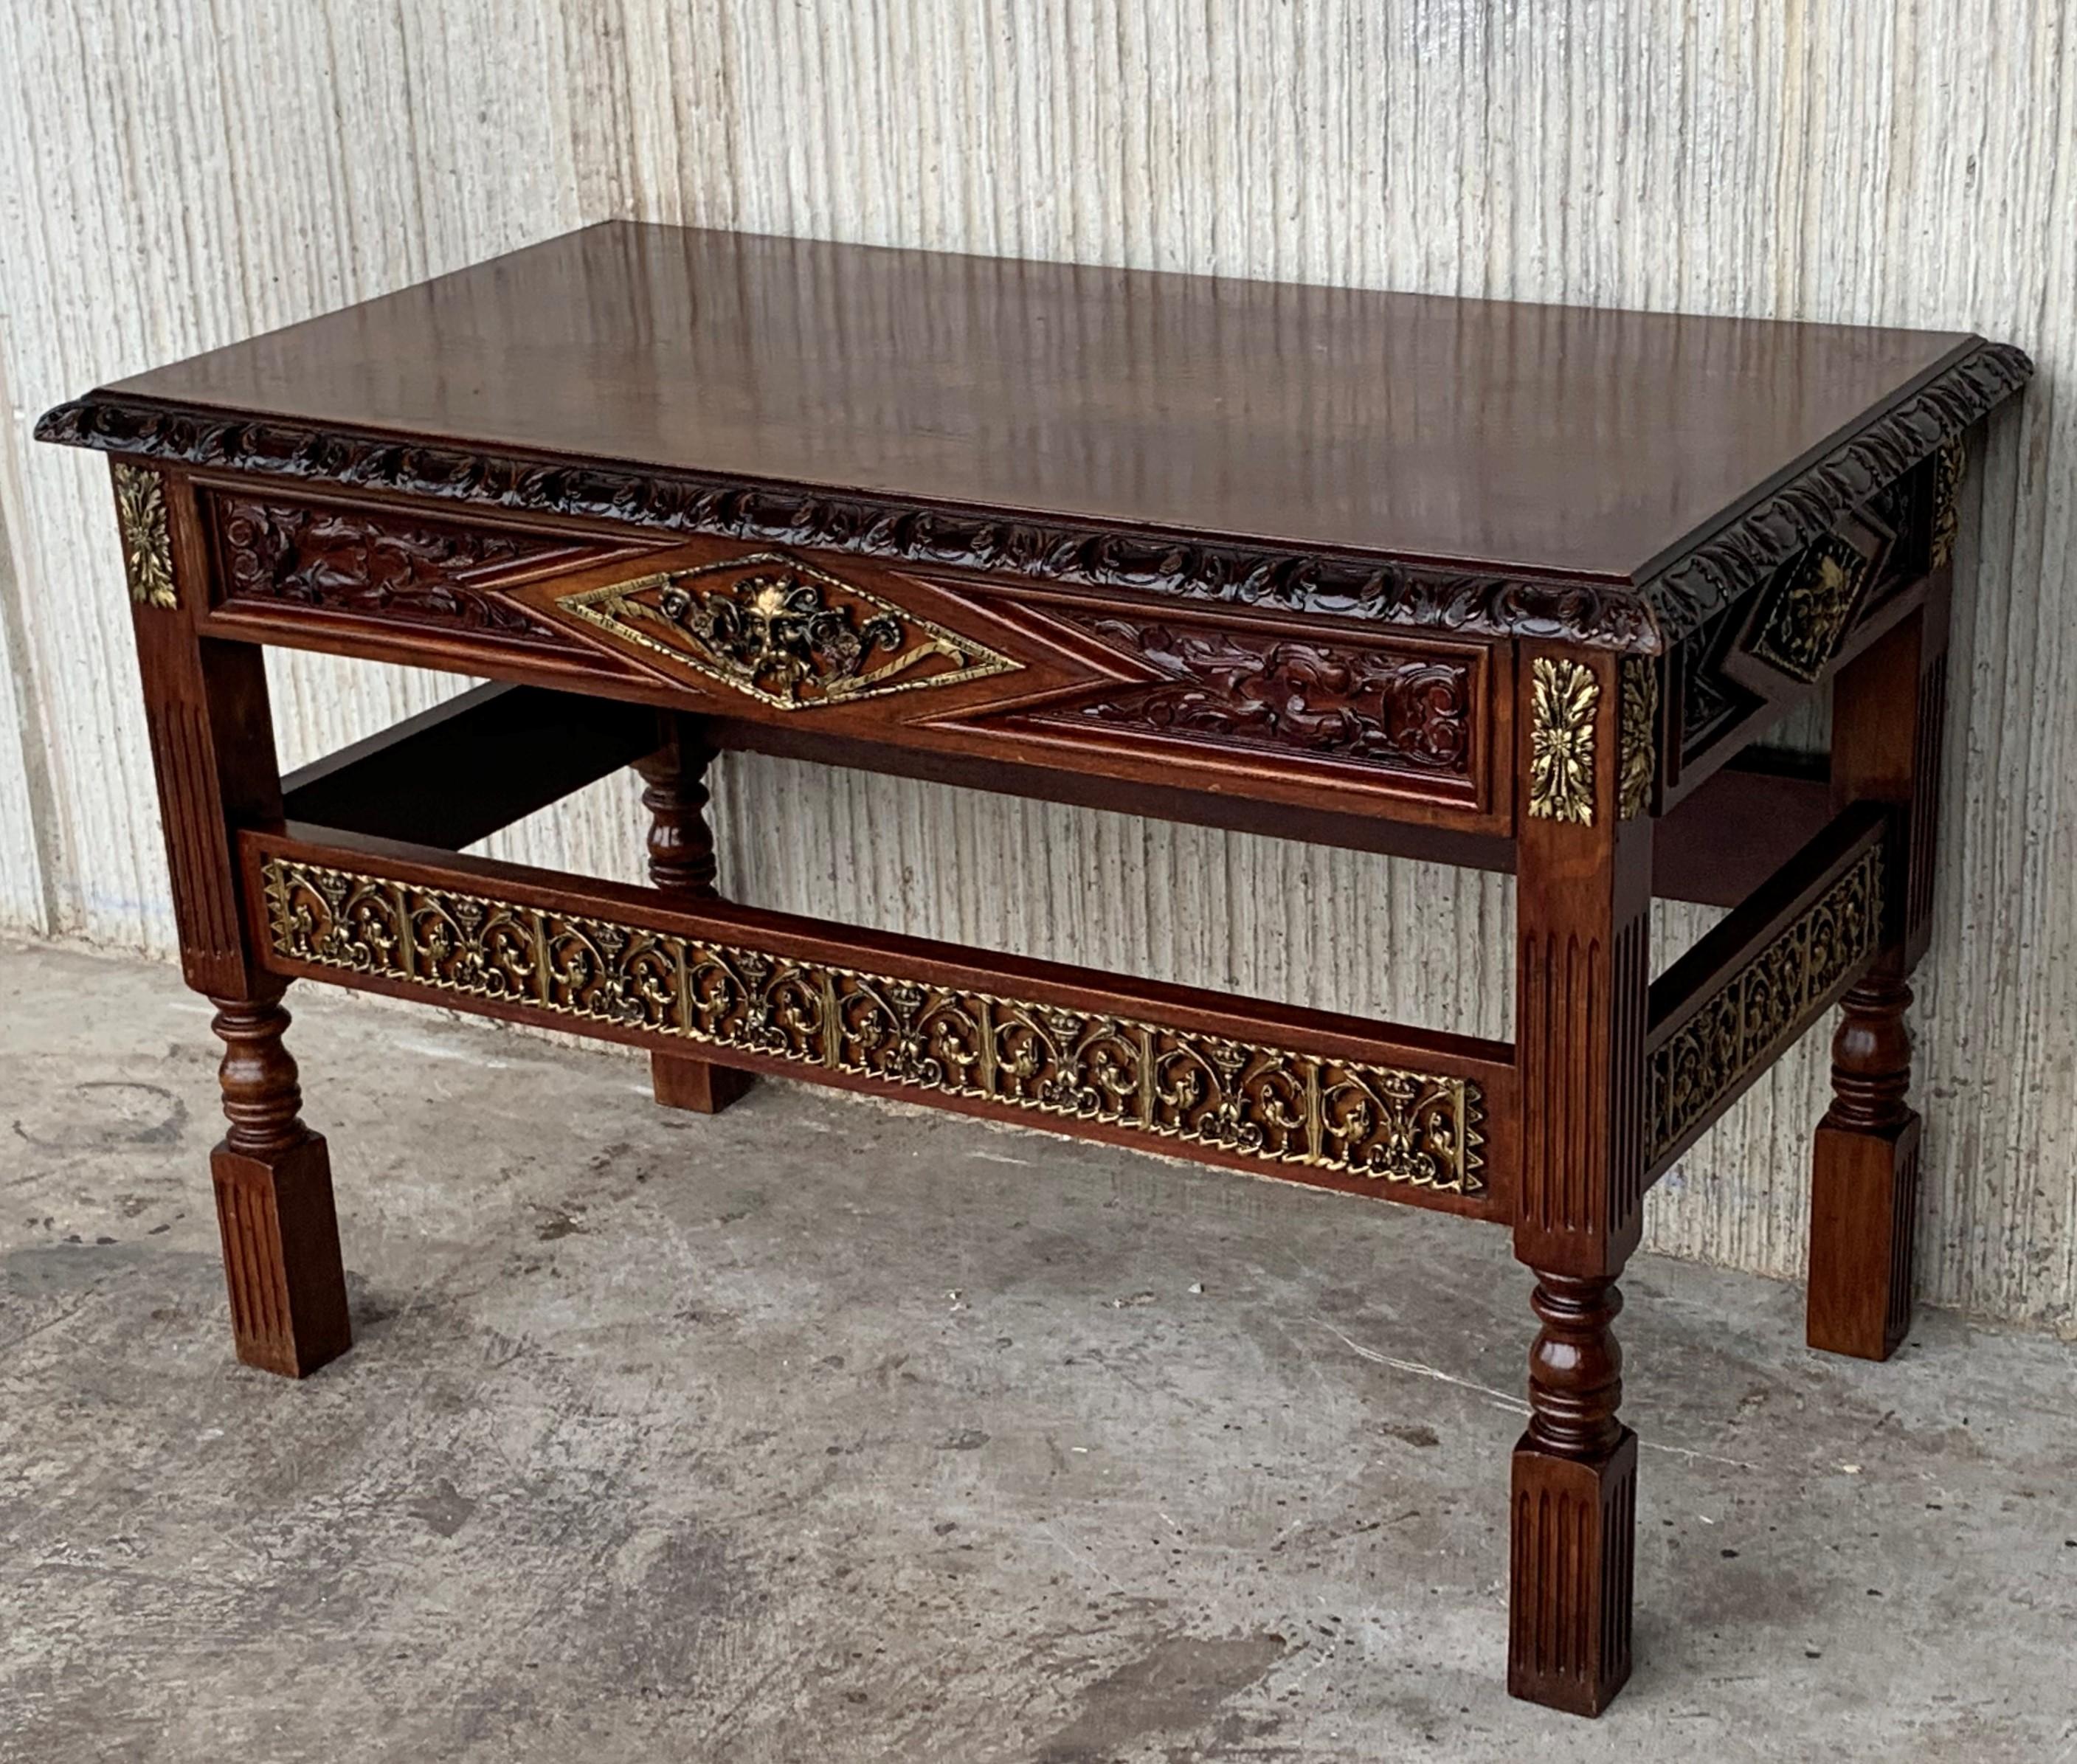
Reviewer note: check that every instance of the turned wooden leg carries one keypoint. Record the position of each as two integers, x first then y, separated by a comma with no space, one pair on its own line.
212,750
1887,713
1583,971
1864,1188
681,861
1574,1511
274,1202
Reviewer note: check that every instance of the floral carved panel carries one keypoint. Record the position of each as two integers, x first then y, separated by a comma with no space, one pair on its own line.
393,567
1256,687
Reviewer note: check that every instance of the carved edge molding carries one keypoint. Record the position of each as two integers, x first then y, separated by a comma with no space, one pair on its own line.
1563,698
1278,1105
1639,618
1766,1002
1740,556
147,538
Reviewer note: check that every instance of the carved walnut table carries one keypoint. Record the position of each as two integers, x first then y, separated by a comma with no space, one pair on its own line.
1500,585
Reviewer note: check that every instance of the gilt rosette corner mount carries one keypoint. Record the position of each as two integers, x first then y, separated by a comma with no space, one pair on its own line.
148,541
1564,695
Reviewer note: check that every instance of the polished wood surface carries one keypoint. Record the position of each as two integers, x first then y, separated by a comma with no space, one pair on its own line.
1538,437
1481,584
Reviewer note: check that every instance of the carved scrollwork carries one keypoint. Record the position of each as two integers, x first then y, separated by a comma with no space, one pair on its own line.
1742,555
1563,698
782,631
1407,710
391,565
148,540
1766,1002
1278,1104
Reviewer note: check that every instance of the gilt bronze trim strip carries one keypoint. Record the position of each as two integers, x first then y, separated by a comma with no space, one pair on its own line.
1760,1008
1278,1105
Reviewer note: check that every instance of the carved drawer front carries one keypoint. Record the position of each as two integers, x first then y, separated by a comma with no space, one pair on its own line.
1185,693
1192,693
291,566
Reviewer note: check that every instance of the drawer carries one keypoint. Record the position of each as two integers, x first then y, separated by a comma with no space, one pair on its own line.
1140,688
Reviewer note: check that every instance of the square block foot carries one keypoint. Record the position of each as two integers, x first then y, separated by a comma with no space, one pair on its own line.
1573,1551
281,1257
1863,1215
681,1081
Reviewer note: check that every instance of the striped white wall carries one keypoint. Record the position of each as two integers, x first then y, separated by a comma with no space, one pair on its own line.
182,175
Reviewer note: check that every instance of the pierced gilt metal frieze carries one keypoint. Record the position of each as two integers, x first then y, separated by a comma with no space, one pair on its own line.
1766,1004
148,539
784,632
1564,698
1280,1105
1639,735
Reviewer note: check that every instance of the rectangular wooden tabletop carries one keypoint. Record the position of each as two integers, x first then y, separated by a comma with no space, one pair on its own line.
1537,439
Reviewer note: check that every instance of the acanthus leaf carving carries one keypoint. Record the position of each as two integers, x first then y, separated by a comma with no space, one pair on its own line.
1564,698
378,564
1409,711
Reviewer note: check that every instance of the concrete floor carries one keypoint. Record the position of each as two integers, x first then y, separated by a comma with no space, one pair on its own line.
831,1430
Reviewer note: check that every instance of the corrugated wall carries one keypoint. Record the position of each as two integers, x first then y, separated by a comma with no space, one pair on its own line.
180,175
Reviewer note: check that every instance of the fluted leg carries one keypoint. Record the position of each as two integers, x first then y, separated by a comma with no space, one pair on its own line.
1584,973
1574,1510
681,861
273,1201
1864,1189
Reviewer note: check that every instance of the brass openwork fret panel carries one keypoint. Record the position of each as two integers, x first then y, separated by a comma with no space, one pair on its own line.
1281,1105
1766,1004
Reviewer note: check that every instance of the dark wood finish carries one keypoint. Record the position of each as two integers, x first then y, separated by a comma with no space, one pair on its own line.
682,862
1233,702
1864,1192
213,748
1318,448
273,1201
470,765
1583,907
1732,833
1888,709
1256,1118
386,564
1481,584
1574,1524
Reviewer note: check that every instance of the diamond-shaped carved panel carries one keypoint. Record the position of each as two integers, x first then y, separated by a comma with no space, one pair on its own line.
782,631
